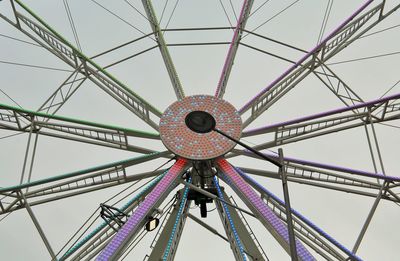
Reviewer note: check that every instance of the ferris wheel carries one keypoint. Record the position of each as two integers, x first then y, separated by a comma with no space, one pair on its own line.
208,174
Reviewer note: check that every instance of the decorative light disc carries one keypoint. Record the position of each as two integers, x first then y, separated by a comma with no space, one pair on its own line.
181,140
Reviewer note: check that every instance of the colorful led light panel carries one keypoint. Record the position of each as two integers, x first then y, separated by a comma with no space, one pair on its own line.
239,184
135,221
179,139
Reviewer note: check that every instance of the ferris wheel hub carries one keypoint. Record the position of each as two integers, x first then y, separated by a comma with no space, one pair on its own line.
186,127
200,121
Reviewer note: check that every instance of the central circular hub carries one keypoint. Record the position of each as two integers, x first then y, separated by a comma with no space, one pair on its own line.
186,127
200,121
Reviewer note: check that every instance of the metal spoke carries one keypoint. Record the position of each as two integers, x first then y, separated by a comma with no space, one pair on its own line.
263,212
330,177
323,72
75,183
335,42
228,215
115,230
38,227
293,163
168,240
235,239
92,241
155,26
119,242
369,218
289,219
13,118
385,109
230,58
306,231
56,44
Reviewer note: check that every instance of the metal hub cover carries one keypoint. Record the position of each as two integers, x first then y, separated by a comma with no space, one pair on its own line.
200,142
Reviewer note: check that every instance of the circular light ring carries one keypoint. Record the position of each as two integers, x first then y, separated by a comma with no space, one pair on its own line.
183,141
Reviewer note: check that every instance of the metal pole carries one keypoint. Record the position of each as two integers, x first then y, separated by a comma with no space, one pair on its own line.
272,160
208,227
379,196
370,148
32,160
369,218
27,152
376,142
289,220
38,227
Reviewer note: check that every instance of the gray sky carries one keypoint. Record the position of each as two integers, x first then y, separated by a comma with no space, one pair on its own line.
339,214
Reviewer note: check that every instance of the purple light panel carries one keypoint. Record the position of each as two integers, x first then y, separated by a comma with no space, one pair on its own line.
305,57
303,218
373,103
240,185
333,167
231,52
135,221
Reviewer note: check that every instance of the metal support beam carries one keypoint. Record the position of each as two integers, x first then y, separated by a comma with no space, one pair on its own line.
230,58
56,44
368,219
62,94
294,162
278,230
383,188
38,227
301,174
337,85
324,123
292,238
28,144
331,177
173,228
305,229
229,226
251,246
23,120
335,42
155,26
121,240
75,183
208,227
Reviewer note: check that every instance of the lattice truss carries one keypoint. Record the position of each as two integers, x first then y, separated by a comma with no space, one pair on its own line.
239,191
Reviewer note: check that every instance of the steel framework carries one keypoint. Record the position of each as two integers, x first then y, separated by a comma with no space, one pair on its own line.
195,181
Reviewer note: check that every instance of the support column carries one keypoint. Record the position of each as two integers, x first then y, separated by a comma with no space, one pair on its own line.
246,236
173,228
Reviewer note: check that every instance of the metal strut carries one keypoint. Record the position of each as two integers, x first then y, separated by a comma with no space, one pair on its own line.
112,215
176,232
236,244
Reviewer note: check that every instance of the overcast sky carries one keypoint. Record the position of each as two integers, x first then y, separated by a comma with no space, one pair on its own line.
199,67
